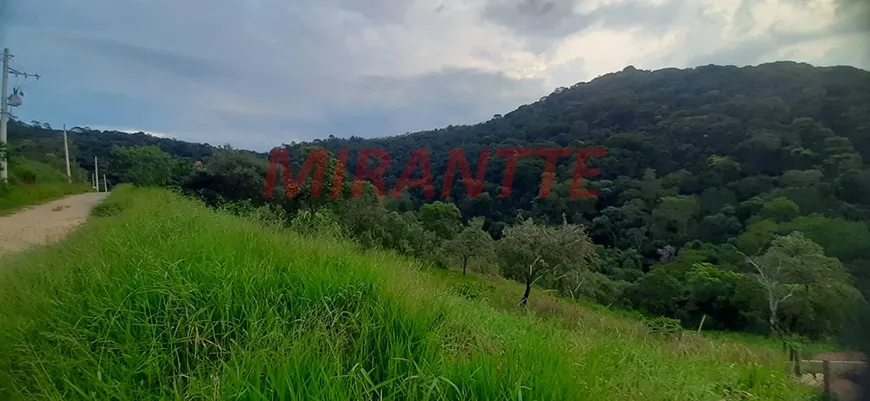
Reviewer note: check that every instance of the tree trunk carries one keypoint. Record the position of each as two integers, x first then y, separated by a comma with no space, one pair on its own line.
772,307
771,321
464,264
525,299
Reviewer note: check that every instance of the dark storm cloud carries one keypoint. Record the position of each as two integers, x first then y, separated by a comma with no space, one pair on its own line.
560,18
853,16
183,65
749,52
393,106
378,11
851,28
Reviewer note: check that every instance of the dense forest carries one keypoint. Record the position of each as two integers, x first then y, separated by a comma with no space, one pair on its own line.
739,197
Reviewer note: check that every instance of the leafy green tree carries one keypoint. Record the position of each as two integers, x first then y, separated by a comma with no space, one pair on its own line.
651,188
842,239
671,218
854,186
721,170
231,175
471,242
794,263
145,166
713,199
710,290
801,178
780,209
441,218
660,291
718,228
530,252
364,217
812,134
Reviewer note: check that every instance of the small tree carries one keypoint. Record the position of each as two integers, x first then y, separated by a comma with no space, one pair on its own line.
789,268
472,241
441,218
143,165
530,252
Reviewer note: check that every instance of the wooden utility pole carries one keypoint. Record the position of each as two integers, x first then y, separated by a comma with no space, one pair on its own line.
96,175
66,155
4,116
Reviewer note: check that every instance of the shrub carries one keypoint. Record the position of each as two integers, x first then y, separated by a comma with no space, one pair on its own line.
664,326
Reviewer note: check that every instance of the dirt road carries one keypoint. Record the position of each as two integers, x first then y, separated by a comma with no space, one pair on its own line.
45,223
844,377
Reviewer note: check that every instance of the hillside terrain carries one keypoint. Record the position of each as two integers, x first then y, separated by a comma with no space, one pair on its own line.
711,175
161,297
32,182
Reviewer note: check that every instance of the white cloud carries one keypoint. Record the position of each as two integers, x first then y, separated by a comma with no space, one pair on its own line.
257,73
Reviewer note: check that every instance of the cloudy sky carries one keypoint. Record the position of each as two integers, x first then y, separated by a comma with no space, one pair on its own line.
257,73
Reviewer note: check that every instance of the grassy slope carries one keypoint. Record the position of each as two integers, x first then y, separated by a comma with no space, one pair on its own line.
169,299
32,183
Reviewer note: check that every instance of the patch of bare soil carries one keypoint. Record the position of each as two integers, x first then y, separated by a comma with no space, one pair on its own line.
45,223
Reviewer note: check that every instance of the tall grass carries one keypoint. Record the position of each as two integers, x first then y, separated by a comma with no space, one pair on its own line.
166,299
31,183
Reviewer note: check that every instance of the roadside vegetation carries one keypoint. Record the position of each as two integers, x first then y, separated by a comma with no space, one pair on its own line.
32,182
161,297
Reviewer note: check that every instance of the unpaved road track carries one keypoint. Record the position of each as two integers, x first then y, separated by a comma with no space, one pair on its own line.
843,381
45,223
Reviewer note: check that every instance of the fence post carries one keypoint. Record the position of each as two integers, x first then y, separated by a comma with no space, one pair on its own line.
797,361
826,373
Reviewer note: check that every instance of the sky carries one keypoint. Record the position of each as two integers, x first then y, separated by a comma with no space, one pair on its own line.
259,73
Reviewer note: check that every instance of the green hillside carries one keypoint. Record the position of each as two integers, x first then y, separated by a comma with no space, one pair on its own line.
702,165
161,297
32,182
708,171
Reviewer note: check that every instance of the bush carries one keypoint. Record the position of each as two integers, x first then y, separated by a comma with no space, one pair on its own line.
472,289
664,326
116,204
23,172
106,209
308,222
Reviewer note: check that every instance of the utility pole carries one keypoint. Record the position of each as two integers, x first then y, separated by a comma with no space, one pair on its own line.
4,107
66,154
96,175
105,184
4,176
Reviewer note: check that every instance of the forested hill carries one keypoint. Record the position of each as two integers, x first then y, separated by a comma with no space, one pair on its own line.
699,161
711,108
721,134
702,165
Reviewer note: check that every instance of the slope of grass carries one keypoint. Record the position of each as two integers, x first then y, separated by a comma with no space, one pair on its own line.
505,294
166,299
32,183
